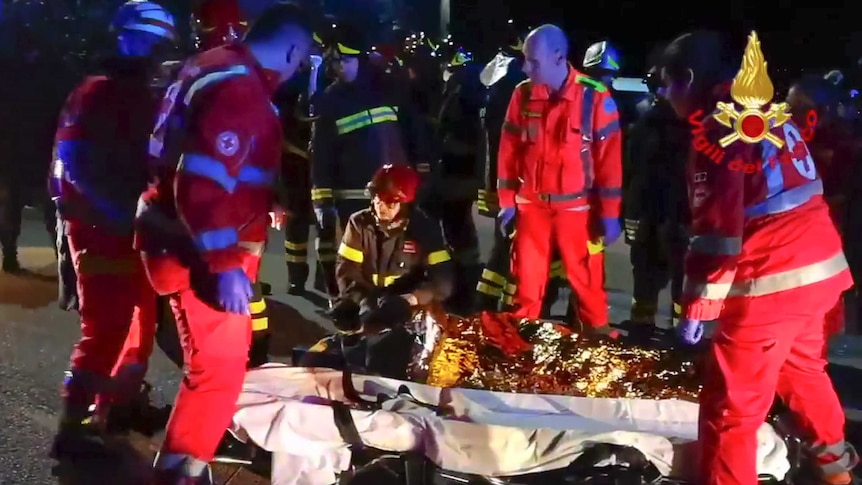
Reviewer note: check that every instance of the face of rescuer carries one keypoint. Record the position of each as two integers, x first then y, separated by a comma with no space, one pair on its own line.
385,211
542,59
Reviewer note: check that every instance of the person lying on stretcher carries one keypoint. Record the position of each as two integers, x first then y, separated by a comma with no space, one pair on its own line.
392,257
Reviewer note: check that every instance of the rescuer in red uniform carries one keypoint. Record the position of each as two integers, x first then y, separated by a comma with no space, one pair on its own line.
766,262
560,169
100,163
202,227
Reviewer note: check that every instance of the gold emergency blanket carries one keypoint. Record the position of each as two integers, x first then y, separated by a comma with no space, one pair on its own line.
498,352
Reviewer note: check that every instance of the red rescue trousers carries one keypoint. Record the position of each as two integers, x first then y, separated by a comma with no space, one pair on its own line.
117,307
539,228
771,344
215,347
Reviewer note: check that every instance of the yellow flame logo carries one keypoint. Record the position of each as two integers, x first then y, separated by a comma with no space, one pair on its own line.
752,89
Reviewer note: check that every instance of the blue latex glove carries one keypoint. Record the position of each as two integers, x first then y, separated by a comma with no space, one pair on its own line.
612,229
326,216
506,216
690,331
234,291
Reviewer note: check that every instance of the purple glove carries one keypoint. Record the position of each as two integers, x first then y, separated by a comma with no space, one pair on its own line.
612,229
506,217
234,291
690,331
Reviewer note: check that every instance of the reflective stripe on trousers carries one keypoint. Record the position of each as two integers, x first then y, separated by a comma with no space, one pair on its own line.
769,284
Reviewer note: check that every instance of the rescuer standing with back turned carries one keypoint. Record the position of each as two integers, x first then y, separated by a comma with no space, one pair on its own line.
560,170
765,261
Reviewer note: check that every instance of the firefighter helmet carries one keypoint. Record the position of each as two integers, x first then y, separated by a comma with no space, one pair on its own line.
602,55
395,183
349,41
217,22
144,16
461,58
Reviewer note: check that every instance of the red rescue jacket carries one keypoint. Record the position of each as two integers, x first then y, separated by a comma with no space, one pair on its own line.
760,226
216,151
99,165
566,151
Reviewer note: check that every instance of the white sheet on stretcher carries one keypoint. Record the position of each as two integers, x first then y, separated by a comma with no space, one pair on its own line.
285,410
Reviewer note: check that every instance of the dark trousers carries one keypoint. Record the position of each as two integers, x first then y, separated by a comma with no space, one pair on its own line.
296,233
11,206
459,231
327,245
656,261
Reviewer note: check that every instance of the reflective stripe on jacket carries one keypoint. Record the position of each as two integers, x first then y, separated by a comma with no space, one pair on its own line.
567,150
759,223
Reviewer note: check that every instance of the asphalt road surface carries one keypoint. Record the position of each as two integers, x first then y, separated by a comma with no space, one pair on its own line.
37,338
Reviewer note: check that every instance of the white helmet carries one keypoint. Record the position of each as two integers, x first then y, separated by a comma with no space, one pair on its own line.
144,16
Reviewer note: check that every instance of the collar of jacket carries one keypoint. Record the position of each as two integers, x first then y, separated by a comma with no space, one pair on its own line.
269,78
570,87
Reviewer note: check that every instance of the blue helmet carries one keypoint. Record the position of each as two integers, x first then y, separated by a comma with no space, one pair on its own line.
140,25
602,55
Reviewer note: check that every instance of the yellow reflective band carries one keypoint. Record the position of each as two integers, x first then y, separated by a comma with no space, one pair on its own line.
494,277
677,308
482,206
438,257
555,265
321,194
365,118
320,346
326,258
595,247
351,254
511,289
258,324
288,147
347,51
351,194
257,307
291,258
487,289
295,246
508,300
317,39
387,280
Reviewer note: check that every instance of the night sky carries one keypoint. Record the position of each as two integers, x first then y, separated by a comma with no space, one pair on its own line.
793,36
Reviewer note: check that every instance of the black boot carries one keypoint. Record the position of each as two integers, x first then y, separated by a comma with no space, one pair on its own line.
10,261
138,415
258,354
77,438
297,277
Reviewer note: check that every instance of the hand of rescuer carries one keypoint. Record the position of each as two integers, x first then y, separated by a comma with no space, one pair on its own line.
612,230
234,291
507,217
326,216
391,311
690,331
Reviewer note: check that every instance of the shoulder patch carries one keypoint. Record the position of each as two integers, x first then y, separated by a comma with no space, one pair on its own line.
227,143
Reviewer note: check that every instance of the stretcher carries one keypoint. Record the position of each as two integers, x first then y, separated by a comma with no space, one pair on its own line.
326,426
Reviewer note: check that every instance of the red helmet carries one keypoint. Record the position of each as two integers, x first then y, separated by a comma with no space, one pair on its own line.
395,183
217,22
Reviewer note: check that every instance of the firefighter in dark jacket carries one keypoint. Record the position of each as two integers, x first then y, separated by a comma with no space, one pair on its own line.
500,77
459,179
357,131
296,100
392,257
656,211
